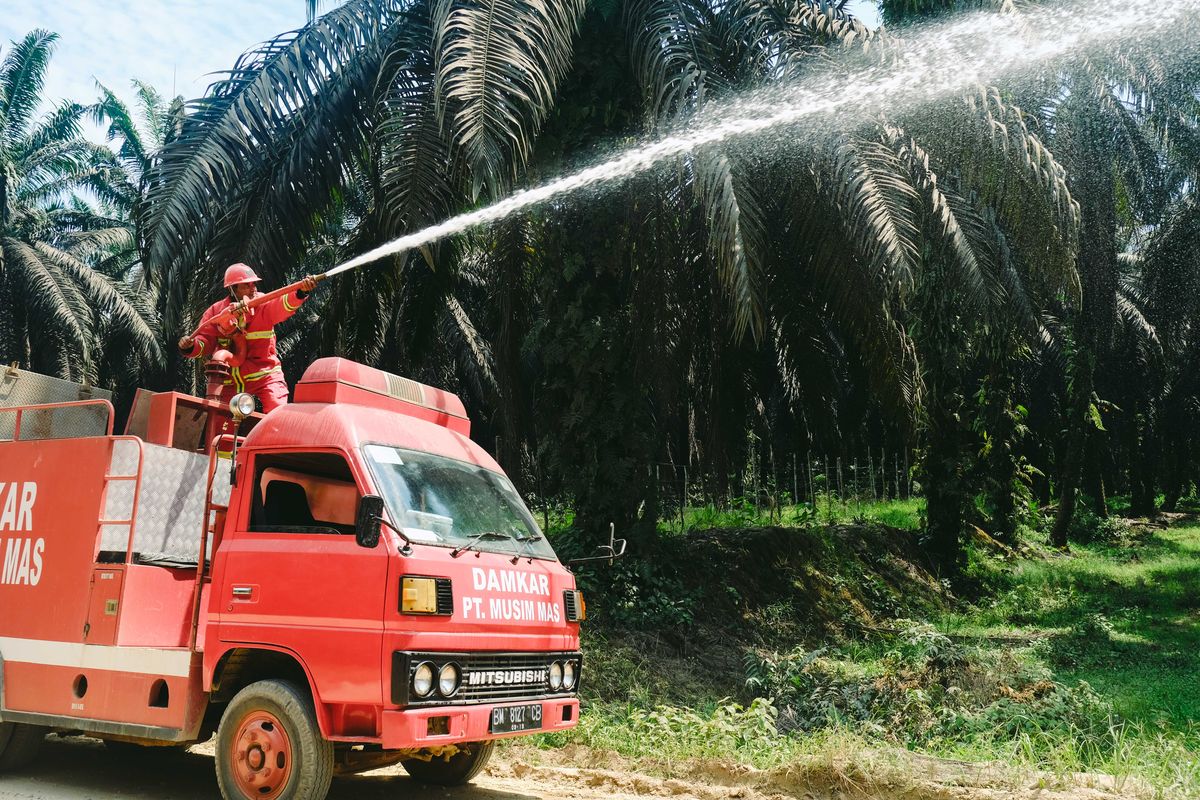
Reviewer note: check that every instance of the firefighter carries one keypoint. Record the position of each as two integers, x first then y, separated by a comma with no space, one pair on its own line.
254,366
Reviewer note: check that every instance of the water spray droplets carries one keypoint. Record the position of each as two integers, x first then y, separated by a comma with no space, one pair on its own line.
930,63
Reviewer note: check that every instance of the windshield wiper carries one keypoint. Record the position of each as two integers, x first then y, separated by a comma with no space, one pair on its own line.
526,543
476,539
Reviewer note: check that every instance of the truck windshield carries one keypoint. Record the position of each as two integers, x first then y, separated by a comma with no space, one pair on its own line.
438,500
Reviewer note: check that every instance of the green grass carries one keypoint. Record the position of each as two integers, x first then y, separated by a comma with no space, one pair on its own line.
828,509
1125,619
1084,662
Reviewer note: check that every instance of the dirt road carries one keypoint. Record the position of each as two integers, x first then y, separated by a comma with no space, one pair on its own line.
81,769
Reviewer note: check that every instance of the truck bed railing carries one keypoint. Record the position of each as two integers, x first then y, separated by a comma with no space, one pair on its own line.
214,521
133,474
70,420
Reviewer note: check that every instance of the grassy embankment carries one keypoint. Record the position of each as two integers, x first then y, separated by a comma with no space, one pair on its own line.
774,645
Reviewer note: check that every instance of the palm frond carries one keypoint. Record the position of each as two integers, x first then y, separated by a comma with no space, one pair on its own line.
497,65
962,235
58,305
130,312
229,134
675,60
474,354
22,76
413,152
880,210
735,238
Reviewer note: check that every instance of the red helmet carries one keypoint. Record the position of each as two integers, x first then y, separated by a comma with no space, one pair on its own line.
240,273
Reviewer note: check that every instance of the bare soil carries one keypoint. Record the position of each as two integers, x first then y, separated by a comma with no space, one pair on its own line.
82,769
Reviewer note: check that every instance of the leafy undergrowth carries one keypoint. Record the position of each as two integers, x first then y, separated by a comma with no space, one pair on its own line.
1088,662
765,584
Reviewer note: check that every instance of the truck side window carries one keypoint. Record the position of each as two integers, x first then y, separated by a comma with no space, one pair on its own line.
303,493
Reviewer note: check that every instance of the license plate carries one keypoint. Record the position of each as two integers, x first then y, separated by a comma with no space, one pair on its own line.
507,719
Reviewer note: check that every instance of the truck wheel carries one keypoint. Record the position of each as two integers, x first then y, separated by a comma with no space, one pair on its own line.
470,759
19,744
270,748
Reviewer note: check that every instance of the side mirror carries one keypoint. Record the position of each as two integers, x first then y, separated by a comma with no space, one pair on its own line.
608,552
366,524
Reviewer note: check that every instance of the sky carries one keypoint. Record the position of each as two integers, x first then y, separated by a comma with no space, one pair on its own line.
174,45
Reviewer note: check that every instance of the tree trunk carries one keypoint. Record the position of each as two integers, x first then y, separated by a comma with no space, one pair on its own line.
1078,425
1085,134
942,481
1095,478
1141,468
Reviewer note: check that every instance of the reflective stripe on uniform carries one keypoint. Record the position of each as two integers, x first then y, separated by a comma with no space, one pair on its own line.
287,304
239,382
256,376
261,334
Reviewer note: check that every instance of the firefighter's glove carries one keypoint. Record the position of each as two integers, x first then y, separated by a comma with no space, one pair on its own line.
308,283
187,343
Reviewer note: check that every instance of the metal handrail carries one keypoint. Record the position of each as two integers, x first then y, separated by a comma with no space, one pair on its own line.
214,457
21,410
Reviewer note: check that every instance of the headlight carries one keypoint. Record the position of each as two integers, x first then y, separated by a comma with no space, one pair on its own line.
556,675
423,679
568,678
448,680
242,405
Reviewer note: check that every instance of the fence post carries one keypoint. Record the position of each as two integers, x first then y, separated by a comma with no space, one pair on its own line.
795,484
812,487
683,502
896,475
857,498
841,484
871,475
828,489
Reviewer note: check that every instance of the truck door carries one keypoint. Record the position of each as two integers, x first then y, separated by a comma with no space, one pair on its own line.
295,578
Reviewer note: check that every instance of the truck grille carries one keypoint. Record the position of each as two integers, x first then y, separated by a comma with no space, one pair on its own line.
445,597
486,677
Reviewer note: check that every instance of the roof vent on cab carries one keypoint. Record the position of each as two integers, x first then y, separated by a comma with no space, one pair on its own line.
338,380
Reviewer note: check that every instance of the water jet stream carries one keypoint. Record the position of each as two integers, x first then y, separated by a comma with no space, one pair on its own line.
933,62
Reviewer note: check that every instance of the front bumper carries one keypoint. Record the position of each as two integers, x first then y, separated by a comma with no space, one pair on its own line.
439,725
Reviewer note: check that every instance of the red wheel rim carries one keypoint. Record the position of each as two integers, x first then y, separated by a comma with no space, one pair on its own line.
262,756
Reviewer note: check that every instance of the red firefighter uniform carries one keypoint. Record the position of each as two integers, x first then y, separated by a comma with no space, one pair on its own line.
259,373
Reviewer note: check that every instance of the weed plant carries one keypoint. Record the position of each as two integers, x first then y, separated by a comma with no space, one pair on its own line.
1080,662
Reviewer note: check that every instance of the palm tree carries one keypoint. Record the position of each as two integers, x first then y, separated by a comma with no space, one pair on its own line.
419,111
63,312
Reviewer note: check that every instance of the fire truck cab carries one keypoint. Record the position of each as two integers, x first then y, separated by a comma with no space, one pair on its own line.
344,583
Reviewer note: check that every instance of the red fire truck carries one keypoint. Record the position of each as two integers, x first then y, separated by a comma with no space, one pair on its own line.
344,583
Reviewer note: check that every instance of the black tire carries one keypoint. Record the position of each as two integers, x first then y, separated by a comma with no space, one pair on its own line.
310,769
19,744
460,768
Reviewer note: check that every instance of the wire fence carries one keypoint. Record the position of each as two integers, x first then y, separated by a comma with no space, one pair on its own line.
812,485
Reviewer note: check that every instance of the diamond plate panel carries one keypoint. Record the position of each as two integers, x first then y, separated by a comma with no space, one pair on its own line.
21,388
126,455
221,488
114,538
171,504
118,500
